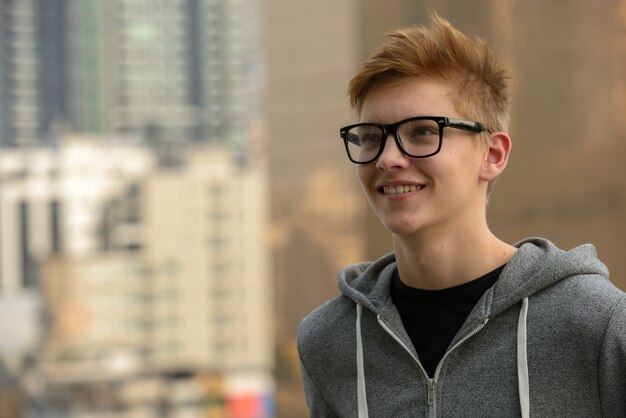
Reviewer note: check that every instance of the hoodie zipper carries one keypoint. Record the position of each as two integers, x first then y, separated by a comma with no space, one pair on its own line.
432,383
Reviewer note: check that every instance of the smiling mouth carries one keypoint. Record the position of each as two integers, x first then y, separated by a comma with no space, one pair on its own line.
401,189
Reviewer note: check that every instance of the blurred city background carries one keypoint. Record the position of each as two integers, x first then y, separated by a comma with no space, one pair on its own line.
174,196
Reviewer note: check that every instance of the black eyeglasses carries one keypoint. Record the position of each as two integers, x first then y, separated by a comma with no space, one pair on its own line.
417,137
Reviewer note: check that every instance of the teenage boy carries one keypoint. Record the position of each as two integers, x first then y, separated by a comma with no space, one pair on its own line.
455,322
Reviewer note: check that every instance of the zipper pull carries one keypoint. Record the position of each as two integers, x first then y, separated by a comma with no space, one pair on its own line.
432,385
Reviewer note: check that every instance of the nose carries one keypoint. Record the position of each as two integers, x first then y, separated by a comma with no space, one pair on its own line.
392,156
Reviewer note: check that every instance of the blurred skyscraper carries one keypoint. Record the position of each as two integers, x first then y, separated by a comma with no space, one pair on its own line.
147,241
173,71
146,271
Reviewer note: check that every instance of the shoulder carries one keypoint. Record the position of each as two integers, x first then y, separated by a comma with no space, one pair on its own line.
327,322
587,289
589,301
327,339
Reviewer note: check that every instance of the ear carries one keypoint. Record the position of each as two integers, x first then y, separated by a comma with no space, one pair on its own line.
496,156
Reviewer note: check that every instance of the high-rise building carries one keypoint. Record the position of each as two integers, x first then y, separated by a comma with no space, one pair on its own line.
175,71
204,231
31,78
137,273
145,270
50,203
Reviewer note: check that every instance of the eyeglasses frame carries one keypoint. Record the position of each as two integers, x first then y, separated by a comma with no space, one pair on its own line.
392,128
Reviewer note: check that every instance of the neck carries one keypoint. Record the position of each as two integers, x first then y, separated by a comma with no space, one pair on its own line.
439,260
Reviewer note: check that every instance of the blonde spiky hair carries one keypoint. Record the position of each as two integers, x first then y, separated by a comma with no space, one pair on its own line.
440,51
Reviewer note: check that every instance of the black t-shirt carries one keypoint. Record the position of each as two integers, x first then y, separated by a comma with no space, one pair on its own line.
433,317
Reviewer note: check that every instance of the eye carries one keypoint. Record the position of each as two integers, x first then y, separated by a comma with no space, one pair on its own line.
369,138
365,135
419,131
353,138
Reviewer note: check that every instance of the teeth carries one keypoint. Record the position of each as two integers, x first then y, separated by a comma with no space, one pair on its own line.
399,189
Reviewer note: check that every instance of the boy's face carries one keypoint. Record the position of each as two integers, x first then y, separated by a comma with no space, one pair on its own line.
444,190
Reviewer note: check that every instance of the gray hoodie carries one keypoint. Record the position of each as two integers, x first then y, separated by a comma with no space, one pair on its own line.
549,339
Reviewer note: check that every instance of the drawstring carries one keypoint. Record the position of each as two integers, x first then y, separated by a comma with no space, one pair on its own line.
522,361
362,398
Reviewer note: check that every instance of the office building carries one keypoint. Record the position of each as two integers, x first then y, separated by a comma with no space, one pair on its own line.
204,234
145,270
175,71
50,202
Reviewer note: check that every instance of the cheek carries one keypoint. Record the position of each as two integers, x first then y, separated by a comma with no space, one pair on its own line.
463,166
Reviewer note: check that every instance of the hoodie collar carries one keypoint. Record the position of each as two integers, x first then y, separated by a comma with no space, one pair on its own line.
369,283
537,264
